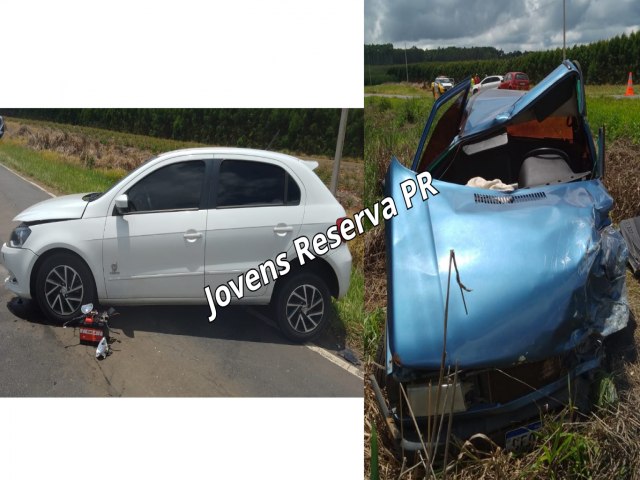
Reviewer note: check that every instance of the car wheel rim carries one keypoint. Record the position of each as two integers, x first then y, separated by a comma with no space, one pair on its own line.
63,290
305,308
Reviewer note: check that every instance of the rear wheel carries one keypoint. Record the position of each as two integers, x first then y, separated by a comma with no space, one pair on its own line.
64,283
302,303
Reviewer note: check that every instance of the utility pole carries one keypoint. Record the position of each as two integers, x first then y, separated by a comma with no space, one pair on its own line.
406,64
336,161
564,29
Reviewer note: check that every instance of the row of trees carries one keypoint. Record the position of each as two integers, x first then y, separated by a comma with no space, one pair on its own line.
386,54
312,131
603,62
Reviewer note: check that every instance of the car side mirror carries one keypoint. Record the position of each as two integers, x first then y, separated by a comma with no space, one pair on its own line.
122,204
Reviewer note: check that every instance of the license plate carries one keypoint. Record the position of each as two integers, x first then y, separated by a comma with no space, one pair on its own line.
521,437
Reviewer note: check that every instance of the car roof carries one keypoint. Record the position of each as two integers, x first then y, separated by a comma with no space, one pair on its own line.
483,108
495,107
251,152
492,109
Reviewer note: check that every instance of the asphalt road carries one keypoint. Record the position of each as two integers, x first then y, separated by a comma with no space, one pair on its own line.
160,351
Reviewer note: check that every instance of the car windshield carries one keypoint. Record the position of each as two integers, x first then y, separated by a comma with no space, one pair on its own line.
93,196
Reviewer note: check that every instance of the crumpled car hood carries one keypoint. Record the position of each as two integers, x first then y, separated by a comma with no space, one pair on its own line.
545,269
58,208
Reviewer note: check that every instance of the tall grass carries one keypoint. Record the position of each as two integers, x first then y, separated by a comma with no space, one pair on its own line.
154,145
55,171
399,89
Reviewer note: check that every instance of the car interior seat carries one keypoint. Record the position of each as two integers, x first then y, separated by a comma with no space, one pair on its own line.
547,166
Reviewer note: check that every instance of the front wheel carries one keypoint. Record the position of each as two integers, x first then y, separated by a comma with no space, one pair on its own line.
64,283
302,305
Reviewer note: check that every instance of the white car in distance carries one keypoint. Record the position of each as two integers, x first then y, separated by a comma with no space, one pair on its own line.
182,221
486,83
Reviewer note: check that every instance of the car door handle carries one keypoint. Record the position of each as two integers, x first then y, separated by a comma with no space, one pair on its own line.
282,229
192,237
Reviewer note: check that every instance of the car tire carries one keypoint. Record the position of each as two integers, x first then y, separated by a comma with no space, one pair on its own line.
64,283
301,304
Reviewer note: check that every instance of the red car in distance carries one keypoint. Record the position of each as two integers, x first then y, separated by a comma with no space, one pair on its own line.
515,81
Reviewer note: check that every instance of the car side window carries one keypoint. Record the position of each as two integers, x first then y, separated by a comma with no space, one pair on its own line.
175,187
244,183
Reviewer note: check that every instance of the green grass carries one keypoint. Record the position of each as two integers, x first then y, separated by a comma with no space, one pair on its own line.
392,128
621,117
350,308
606,90
398,89
54,171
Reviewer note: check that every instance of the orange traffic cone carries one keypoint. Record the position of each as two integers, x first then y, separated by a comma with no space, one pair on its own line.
629,87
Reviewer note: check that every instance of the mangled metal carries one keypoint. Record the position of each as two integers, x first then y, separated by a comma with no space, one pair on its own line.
546,267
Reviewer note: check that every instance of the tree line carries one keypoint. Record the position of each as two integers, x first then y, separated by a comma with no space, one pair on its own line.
312,131
603,62
386,54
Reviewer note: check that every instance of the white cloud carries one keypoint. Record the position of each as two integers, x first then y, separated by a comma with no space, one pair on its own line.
505,24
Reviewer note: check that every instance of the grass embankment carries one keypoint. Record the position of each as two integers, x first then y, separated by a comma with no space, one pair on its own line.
408,89
71,159
54,171
607,444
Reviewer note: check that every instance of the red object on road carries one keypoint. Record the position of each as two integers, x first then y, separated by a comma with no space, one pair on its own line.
515,81
91,332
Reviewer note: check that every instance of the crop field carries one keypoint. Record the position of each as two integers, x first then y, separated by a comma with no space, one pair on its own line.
71,159
606,444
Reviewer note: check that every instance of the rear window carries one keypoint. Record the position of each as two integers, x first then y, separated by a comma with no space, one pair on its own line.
247,183
521,76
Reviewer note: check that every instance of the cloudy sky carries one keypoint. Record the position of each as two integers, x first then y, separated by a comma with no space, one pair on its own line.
505,24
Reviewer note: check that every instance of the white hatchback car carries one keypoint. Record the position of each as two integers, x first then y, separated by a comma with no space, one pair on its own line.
182,221
486,83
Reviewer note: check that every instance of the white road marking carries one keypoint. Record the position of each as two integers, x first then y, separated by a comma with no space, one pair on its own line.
28,181
315,348
337,360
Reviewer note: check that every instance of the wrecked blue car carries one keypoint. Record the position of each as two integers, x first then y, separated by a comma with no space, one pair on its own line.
517,329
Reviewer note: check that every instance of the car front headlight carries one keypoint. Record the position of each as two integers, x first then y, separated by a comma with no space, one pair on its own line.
19,235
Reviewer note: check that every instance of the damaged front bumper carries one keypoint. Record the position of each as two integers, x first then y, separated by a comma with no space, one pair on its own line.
493,419
19,263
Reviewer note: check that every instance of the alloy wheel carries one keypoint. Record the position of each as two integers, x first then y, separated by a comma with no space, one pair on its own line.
305,308
63,290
